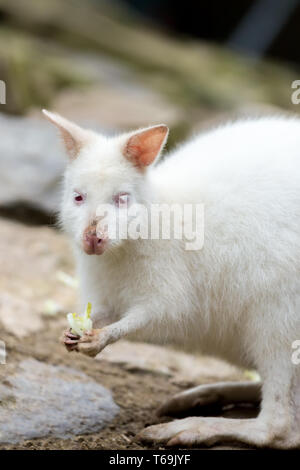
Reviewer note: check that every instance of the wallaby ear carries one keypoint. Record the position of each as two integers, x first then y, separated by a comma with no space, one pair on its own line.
143,147
74,137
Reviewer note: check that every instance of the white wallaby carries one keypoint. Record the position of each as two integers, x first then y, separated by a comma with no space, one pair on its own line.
237,298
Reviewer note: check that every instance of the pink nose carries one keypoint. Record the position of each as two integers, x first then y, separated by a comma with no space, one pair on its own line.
92,242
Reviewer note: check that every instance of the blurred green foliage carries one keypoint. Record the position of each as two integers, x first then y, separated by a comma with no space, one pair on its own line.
39,34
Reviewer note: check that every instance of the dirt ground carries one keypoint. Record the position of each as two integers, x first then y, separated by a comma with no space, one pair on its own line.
137,393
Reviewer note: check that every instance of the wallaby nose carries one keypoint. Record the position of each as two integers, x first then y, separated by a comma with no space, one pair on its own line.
91,242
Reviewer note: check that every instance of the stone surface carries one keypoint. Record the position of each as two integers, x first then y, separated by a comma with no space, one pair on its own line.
43,400
31,164
35,269
180,366
111,106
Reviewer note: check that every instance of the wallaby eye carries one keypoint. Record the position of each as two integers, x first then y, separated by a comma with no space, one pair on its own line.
121,199
78,197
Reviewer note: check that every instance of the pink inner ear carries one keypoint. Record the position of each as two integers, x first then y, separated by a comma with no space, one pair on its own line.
73,146
143,148
74,137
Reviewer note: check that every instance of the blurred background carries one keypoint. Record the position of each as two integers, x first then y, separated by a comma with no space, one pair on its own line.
121,64
115,65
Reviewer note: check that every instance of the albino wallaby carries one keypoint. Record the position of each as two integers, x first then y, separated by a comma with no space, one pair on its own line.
238,297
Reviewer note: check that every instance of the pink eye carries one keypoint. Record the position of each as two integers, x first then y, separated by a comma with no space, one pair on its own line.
121,199
78,198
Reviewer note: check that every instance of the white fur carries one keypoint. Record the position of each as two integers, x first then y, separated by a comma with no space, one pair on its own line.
239,297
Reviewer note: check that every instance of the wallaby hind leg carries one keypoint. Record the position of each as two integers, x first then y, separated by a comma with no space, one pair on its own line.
204,397
277,425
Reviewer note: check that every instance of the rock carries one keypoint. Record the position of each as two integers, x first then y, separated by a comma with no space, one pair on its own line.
18,316
42,400
32,162
119,100
180,366
117,107
34,269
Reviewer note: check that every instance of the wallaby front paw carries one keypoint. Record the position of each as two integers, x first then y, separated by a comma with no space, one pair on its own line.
70,340
92,342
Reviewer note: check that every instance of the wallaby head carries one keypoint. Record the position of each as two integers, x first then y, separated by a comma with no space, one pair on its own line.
104,171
